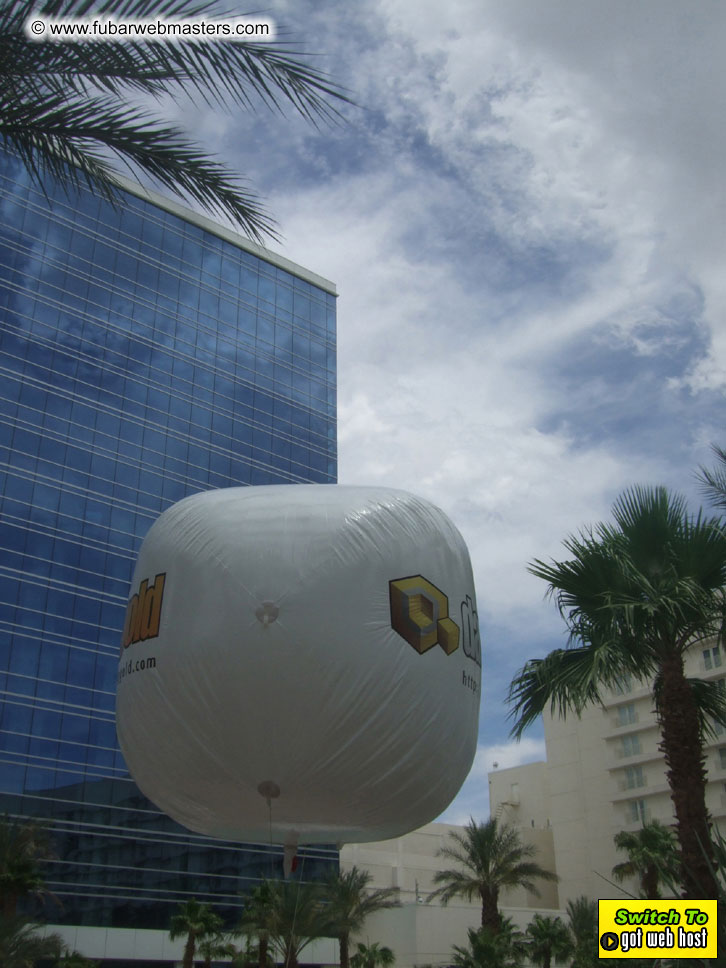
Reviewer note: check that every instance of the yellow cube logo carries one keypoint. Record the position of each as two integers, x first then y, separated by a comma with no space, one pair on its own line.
420,614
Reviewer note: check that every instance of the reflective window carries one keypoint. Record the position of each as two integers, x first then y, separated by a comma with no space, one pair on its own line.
637,811
634,777
626,714
712,657
630,745
147,359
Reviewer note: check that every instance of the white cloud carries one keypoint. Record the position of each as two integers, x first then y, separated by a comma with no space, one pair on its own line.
525,224
431,400
612,105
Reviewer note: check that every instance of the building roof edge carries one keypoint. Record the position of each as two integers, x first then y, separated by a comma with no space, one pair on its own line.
229,235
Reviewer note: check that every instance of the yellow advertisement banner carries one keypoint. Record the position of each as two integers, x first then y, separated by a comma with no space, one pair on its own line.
658,929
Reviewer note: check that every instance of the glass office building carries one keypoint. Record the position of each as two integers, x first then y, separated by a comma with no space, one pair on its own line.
146,354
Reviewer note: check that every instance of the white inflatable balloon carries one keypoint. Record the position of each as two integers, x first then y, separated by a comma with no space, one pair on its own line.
301,663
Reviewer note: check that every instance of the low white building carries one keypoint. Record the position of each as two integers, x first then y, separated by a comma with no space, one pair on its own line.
423,932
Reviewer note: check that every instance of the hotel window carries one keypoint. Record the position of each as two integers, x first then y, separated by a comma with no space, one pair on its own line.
631,745
634,777
712,657
626,714
623,684
636,811
722,757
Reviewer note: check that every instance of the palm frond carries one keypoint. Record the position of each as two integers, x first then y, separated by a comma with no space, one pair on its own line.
61,131
652,854
568,680
50,91
713,481
453,884
224,72
488,856
632,593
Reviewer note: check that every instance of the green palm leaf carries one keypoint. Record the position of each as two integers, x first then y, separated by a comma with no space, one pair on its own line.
63,129
713,481
64,107
652,857
635,596
548,939
568,680
349,901
488,857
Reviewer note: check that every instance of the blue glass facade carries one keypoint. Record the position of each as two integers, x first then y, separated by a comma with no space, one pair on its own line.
143,357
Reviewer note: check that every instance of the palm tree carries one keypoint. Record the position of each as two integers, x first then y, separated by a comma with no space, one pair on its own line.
23,846
349,902
505,948
652,857
548,938
258,916
582,922
215,947
195,921
636,596
490,857
68,102
22,947
297,918
247,955
372,955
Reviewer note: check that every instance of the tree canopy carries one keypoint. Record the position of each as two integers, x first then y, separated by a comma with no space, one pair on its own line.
636,595
24,845
548,939
489,857
194,921
21,946
349,901
713,479
372,955
652,854
297,918
504,948
582,922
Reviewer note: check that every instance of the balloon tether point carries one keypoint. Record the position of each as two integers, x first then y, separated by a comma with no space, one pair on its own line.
270,791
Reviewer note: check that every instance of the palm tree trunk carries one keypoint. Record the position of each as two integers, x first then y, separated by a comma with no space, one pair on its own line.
344,954
683,751
188,961
291,957
262,950
650,882
490,909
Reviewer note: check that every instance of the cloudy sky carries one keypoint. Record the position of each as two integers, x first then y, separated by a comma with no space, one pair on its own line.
524,217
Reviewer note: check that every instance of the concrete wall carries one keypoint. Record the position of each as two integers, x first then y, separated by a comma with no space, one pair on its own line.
147,946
